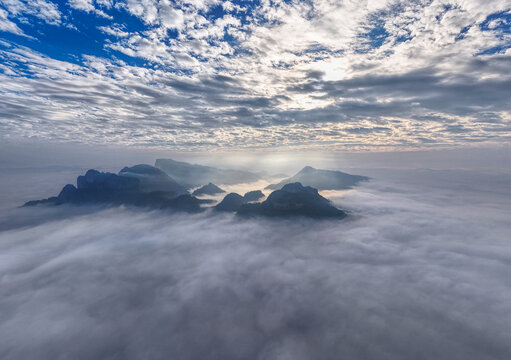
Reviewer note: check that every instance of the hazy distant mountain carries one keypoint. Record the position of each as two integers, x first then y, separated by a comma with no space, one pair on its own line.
253,195
322,179
191,175
263,174
153,179
292,200
106,188
209,189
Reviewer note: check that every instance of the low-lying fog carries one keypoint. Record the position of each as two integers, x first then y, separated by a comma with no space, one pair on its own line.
420,270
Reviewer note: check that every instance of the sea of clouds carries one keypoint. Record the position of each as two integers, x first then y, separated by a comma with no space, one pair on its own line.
420,270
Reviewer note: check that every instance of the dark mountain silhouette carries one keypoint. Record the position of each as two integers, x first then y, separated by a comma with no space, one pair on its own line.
253,195
293,200
191,175
231,202
148,186
209,189
106,188
322,179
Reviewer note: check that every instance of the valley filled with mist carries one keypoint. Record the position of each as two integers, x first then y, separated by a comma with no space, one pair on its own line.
418,269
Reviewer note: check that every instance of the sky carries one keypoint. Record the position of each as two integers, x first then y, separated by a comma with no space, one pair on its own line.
203,75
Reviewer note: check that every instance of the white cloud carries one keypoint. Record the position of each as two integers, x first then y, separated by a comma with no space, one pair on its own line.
88,6
106,3
42,9
85,5
114,31
307,69
170,17
8,25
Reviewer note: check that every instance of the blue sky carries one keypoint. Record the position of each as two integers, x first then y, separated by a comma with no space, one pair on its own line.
207,74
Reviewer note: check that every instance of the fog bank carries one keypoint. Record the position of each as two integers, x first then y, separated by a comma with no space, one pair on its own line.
420,270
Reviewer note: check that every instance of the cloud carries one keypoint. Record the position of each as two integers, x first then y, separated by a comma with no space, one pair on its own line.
412,67
420,271
88,6
7,25
85,5
41,9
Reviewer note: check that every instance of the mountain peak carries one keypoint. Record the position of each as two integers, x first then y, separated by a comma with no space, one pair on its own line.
209,189
298,187
231,202
307,169
294,200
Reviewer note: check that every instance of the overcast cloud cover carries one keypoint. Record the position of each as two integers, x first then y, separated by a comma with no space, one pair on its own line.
207,73
420,270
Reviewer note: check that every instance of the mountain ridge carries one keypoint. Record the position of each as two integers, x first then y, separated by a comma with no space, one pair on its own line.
193,175
321,179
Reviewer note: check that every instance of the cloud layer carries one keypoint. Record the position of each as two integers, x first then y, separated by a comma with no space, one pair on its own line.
421,270
203,74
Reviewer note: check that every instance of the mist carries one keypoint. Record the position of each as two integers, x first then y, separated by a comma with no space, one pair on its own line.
419,270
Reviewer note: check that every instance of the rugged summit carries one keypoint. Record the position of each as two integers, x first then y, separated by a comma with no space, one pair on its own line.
292,200
107,188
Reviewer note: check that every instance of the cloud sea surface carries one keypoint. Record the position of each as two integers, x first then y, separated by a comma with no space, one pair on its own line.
419,271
